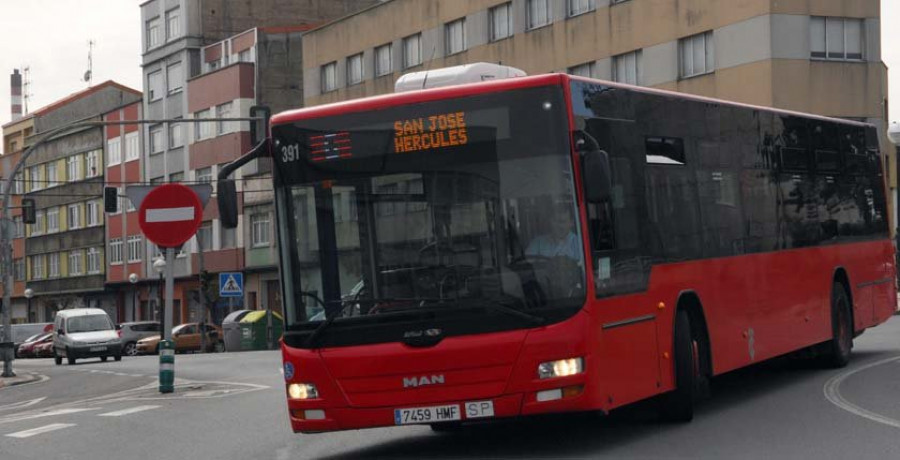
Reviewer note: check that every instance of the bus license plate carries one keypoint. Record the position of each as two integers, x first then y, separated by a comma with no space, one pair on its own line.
93,349
426,414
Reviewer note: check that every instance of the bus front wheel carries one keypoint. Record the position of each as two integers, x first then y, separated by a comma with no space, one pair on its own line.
678,404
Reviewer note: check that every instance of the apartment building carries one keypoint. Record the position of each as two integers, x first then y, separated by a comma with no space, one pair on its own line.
822,57
218,42
17,136
65,247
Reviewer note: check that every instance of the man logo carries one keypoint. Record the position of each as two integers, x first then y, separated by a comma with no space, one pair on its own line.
413,382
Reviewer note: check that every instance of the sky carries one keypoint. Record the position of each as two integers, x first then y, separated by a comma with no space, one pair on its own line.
51,38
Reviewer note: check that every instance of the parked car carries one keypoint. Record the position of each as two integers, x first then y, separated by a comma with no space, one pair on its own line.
23,331
85,333
44,350
187,338
132,332
26,349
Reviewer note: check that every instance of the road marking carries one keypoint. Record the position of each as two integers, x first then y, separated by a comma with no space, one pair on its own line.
22,404
132,410
52,413
169,214
40,430
833,394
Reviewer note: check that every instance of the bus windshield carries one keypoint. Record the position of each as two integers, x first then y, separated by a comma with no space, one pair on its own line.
457,214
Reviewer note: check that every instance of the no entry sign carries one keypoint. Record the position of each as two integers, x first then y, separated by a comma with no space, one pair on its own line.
170,215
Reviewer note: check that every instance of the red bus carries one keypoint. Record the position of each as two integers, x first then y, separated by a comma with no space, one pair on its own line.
549,244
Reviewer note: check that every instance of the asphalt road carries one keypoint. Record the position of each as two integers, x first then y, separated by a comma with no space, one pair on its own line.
231,406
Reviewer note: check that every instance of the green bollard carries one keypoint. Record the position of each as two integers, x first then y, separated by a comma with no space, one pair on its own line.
166,366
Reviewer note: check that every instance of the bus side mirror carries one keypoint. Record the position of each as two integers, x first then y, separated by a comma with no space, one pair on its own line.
226,198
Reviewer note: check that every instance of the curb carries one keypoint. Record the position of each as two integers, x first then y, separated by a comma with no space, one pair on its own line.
21,379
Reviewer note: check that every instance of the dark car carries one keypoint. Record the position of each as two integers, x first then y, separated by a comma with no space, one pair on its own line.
133,332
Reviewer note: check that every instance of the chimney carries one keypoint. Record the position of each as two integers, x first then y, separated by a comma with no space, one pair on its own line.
15,89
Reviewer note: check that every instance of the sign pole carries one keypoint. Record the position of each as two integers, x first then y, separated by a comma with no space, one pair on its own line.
167,346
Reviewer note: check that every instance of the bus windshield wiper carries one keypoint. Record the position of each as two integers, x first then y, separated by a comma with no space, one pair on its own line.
311,341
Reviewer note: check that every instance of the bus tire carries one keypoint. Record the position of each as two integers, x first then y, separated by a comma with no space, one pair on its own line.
678,404
838,349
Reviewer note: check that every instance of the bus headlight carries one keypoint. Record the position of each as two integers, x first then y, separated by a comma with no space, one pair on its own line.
302,391
561,368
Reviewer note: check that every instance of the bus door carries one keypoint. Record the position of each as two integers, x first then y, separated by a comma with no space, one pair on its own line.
628,322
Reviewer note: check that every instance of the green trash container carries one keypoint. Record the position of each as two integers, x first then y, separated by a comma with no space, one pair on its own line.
254,328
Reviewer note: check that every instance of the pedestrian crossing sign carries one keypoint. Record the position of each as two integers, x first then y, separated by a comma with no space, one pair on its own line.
231,284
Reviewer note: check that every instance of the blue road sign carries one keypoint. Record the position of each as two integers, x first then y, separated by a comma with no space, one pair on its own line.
231,284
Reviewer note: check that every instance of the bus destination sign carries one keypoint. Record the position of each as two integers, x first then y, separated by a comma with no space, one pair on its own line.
432,132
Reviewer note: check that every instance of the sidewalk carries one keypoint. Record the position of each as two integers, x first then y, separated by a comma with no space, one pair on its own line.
21,377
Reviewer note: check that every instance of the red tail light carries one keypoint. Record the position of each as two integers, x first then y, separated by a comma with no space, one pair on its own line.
119,333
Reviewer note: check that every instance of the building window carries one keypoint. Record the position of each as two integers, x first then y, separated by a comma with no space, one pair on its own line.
157,144
37,228
259,229
74,216
53,265
132,146
114,151
205,236
34,174
37,267
157,180
52,176
384,64
19,184
19,225
155,85
203,129
93,260
20,269
501,22
93,213
697,54
173,24
584,70
115,251
329,77
245,56
134,249
93,163
204,175
455,36
412,51
627,68
76,262
73,163
537,13
227,237
153,33
123,200
577,7
224,111
355,69
837,38
53,220
176,177
174,77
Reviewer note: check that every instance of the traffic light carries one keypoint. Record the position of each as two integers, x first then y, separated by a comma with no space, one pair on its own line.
28,210
111,199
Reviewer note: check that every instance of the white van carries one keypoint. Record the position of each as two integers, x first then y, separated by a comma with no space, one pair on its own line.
85,333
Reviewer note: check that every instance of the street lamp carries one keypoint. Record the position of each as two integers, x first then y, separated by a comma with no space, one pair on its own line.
133,279
29,293
160,266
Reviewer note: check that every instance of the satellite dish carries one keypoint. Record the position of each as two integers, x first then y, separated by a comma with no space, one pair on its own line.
87,76
894,133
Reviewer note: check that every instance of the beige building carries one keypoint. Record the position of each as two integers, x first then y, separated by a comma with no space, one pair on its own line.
818,56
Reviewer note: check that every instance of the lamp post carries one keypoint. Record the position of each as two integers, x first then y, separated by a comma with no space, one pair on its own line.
133,279
160,266
29,293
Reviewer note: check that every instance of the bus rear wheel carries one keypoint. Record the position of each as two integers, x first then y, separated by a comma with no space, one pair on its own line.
678,404
837,350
